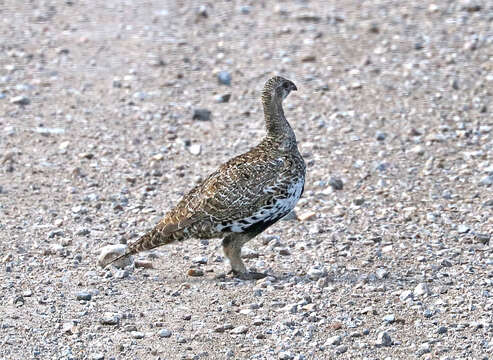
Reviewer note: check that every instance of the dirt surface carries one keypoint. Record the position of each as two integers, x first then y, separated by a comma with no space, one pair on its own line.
98,140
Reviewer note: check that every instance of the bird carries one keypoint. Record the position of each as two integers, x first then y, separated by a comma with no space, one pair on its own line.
244,196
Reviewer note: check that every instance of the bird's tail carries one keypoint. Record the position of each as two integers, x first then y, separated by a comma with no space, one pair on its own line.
162,234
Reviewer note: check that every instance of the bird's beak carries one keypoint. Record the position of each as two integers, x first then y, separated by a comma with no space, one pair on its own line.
293,87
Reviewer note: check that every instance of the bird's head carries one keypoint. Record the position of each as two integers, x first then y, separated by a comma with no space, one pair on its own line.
279,87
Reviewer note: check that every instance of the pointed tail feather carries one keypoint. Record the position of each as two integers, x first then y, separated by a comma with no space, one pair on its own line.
160,235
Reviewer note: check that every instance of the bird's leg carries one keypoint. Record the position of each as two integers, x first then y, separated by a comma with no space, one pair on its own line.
232,244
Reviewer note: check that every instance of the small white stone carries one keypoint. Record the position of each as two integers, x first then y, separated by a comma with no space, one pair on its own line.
242,329
164,333
110,318
406,294
421,289
334,340
195,149
383,339
110,252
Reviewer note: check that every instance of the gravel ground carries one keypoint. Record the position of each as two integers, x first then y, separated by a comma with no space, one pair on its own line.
388,254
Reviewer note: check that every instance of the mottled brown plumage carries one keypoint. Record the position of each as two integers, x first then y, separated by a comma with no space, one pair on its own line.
245,195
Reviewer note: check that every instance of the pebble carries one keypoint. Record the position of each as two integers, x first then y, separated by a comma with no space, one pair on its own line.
195,272
245,9
336,183
137,334
417,150
483,238
49,131
421,289
109,252
383,339
341,349
110,318
424,348
200,260
164,333
334,340
442,330
285,355
390,318
20,100
97,356
224,77
223,328
380,136
83,295
201,114
381,273
315,273
486,181
68,328
242,329
195,149
223,98
462,229
307,216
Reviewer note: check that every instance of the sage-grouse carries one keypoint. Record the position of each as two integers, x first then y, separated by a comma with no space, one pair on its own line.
244,196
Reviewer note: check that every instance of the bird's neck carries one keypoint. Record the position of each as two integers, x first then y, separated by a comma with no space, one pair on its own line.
275,121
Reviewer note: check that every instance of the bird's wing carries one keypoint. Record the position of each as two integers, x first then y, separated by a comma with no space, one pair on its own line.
236,190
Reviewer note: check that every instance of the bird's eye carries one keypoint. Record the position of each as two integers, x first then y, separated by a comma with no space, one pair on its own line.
285,85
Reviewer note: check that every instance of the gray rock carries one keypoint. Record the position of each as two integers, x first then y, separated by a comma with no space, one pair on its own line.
463,229
195,149
201,114
285,355
130,328
336,183
49,131
164,333
83,232
383,166
223,328
200,260
390,318
428,313
483,238
334,340
421,289
316,273
380,136
359,201
245,9
381,273
110,318
96,356
137,334
341,349
442,330
424,348
222,98
486,181
383,339
242,329
20,100
122,273
224,77
83,295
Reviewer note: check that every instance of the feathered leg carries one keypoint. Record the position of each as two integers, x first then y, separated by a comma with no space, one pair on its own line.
232,244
